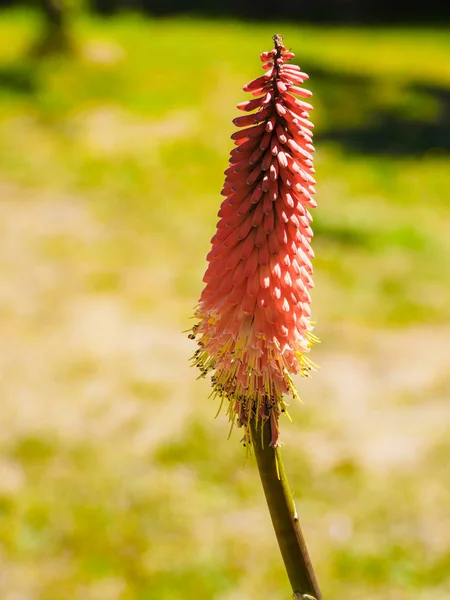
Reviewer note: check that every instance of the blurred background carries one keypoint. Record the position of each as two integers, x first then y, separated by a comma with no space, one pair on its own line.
116,482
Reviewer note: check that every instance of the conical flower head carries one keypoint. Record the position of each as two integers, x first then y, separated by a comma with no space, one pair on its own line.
254,326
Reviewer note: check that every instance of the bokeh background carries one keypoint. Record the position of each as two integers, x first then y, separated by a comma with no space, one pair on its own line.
116,481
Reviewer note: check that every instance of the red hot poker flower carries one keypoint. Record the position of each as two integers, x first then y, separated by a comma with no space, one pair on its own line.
254,324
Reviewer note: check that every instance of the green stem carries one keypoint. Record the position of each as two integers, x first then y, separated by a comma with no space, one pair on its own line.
284,515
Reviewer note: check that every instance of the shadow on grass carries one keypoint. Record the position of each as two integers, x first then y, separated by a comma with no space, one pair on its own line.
366,115
18,78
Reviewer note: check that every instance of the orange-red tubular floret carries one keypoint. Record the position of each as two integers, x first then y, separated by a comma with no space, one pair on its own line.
254,313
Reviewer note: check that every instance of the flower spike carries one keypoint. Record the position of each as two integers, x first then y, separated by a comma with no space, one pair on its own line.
254,328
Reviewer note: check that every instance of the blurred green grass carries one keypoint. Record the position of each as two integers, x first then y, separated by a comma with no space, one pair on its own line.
115,481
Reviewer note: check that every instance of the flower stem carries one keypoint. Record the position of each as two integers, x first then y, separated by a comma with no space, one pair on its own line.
284,515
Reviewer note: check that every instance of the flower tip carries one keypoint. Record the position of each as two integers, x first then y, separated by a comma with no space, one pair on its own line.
278,41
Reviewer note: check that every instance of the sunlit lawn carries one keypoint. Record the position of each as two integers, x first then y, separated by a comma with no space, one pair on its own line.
115,480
